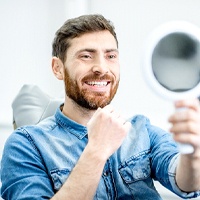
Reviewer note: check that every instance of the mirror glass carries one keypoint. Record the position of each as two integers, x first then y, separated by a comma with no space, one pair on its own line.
176,62
171,60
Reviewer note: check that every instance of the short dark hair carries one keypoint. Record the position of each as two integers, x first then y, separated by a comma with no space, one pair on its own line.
76,27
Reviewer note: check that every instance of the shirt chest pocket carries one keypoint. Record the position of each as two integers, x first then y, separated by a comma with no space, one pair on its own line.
59,176
135,169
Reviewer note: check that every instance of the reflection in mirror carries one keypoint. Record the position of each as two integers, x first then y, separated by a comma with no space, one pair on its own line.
175,60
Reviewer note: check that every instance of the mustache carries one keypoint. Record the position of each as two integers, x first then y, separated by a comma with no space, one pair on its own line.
94,77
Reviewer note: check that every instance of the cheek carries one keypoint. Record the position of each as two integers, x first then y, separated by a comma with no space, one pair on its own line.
78,77
77,70
116,74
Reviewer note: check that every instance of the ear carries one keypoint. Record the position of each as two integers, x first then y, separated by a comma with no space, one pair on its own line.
57,68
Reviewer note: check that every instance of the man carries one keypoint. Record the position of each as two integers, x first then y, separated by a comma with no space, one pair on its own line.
87,150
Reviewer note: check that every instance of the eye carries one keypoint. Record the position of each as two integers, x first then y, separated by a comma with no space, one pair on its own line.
112,56
85,56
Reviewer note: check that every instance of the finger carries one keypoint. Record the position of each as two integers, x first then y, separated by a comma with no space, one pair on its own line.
127,126
189,103
106,109
182,127
109,108
115,113
184,115
192,139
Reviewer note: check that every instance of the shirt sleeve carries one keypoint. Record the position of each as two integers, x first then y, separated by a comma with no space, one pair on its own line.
23,172
164,157
172,173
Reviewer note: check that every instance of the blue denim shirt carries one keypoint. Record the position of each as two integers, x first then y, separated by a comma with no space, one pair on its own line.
38,159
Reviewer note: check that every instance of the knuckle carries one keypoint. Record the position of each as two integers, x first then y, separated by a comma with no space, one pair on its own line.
190,126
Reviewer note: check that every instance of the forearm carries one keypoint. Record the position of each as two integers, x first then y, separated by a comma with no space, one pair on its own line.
188,172
84,178
106,132
187,121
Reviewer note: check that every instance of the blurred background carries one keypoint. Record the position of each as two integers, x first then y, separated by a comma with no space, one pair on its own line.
27,31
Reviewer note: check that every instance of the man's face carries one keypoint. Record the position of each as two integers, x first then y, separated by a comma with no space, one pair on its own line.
92,69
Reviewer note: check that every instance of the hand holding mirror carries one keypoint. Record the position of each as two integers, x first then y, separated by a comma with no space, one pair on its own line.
171,63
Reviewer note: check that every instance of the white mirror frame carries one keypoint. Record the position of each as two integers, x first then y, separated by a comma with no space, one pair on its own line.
147,69
152,41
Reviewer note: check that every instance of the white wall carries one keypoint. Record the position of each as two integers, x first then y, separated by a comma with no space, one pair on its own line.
27,30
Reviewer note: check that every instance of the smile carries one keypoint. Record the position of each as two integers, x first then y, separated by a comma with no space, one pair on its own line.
98,83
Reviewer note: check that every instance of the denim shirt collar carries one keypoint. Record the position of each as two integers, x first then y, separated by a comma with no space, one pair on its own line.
69,125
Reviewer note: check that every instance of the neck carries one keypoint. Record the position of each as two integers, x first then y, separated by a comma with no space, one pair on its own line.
77,113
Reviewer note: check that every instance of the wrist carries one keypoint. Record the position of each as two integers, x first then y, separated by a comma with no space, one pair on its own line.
96,154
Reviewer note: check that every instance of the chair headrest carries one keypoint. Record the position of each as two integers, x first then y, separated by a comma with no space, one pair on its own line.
31,105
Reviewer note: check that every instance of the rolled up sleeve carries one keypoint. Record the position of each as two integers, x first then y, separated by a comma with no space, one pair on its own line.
172,174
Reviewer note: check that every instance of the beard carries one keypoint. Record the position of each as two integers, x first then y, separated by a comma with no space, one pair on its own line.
87,99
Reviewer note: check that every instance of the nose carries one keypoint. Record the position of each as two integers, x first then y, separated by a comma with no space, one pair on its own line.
100,66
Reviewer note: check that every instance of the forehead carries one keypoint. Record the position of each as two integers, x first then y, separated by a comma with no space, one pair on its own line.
95,40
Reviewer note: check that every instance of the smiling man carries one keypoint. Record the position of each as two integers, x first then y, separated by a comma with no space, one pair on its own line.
93,59
86,150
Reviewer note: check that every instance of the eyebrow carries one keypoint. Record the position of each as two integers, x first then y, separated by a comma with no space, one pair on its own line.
94,50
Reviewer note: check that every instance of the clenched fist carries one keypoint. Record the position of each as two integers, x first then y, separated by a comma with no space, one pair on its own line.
106,131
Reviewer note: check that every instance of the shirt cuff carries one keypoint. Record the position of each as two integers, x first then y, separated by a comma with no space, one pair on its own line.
176,189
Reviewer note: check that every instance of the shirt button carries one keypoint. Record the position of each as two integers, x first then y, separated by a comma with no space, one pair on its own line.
105,173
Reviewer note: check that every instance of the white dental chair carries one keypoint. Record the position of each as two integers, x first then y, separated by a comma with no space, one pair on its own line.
31,105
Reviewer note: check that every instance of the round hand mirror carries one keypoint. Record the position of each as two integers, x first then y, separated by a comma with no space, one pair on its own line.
171,63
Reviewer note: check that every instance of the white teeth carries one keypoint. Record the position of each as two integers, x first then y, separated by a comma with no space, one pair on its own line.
97,83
